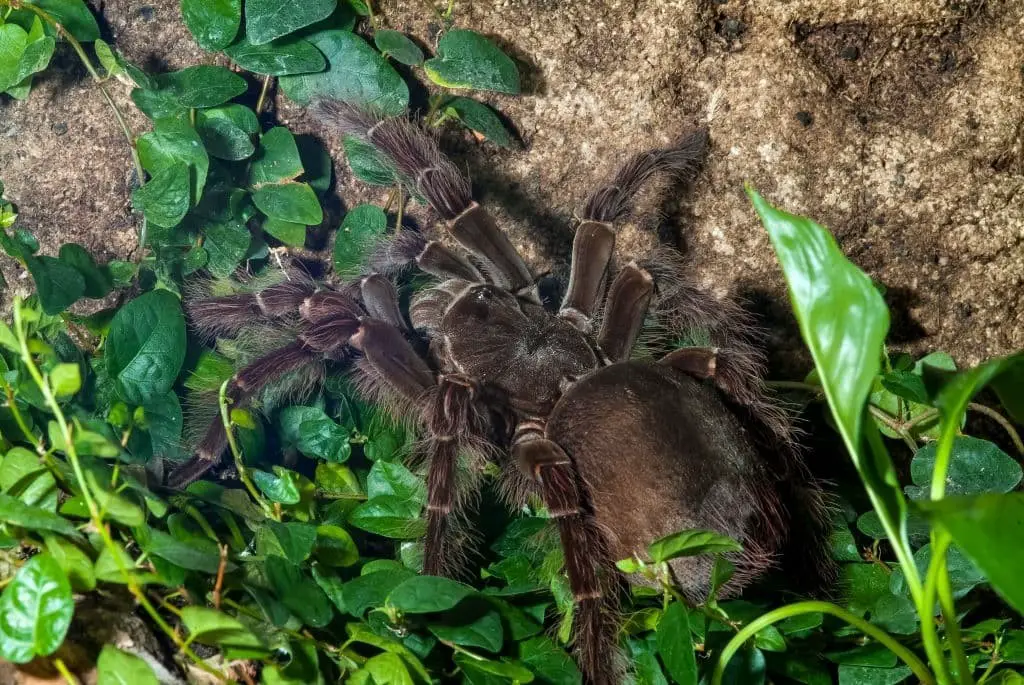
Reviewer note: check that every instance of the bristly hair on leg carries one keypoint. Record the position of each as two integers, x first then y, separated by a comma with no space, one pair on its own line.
413,152
396,255
613,200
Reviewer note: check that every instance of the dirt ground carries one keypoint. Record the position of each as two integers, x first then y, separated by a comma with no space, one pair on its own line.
897,123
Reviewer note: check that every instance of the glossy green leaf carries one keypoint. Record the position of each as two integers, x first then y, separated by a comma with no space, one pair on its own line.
195,554
480,671
218,629
280,486
866,675
165,199
277,158
367,163
690,543
227,131
98,282
35,610
146,346
293,202
990,531
15,512
425,594
286,231
76,564
226,246
977,466
204,85
361,230
213,23
355,73
74,16
174,142
480,118
299,592
371,590
465,59
58,285
314,433
1009,387
279,58
115,667
480,629
549,662
266,20
391,478
65,379
398,46
292,541
675,645
390,517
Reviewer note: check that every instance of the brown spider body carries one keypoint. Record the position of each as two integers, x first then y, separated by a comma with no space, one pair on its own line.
619,451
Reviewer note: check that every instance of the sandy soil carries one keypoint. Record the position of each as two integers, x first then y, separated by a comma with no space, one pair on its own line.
898,124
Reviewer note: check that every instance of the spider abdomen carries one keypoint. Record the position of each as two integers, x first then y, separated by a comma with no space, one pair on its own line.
661,452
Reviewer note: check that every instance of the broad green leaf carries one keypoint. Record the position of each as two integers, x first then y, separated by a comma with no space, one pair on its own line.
14,512
292,541
390,517
805,669
213,23
294,202
465,59
397,45
866,675
227,131
675,645
486,672
35,610
355,73
369,591
360,632
747,667
977,466
115,667
65,379
689,543
392,478
98,282
165,199
367,163
286,231
204,85
173,142
480,118
226,246
479,629
146,347
335,547
332,586
266,20
314,433
382,669
896,614
280,486
990,531
58,285
13,41
215,628
279,58
299,592
196,554
317,162
863,585
77,565
549,662
158,103
425,594
361,230
277,158
1009,387
74,16
22,475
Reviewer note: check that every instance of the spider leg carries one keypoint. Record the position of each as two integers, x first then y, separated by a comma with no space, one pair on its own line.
381,300
419,161
628,298
214,317
409,247
592,249
588,563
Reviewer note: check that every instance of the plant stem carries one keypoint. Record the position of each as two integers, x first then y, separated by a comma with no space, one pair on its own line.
118,115
243,473
66,674
261,101
1001,420
751,629
94,514
12,404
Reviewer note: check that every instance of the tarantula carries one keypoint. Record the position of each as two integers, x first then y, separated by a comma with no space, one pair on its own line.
619,450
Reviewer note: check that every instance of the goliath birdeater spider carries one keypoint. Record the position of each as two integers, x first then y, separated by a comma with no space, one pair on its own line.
620,450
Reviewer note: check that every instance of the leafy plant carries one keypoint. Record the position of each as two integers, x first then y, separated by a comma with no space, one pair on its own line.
309,569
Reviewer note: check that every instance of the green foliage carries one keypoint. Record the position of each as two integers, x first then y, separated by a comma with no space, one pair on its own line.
318,544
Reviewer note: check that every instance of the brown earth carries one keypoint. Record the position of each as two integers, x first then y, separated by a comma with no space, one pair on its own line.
897,123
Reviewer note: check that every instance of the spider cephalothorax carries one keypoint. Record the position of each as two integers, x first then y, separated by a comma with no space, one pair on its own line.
619,450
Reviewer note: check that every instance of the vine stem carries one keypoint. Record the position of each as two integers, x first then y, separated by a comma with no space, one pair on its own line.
94,513
751,629
118,115
243,473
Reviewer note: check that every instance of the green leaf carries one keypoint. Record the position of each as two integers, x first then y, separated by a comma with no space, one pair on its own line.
22,475
549,662
58,285
355,73
1009,387
115,667
164,200
361,230
266,20
425,594
465,59
293,202
675,645
367,163
863,585
300,594
13,41
866,675
277,158
279,58
398,45
174,142
74,16
382,669
689,543
204,85
389,517
482,630
480,118
213,23
990,531
317,162
370,591
226,245
335,547
747,667
98,282
281,486
292,541
76,564
332,586
65,379
977,466
15,512
391,478
487,672
227,131
285,231
35,610
215,628
146,347
196,554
